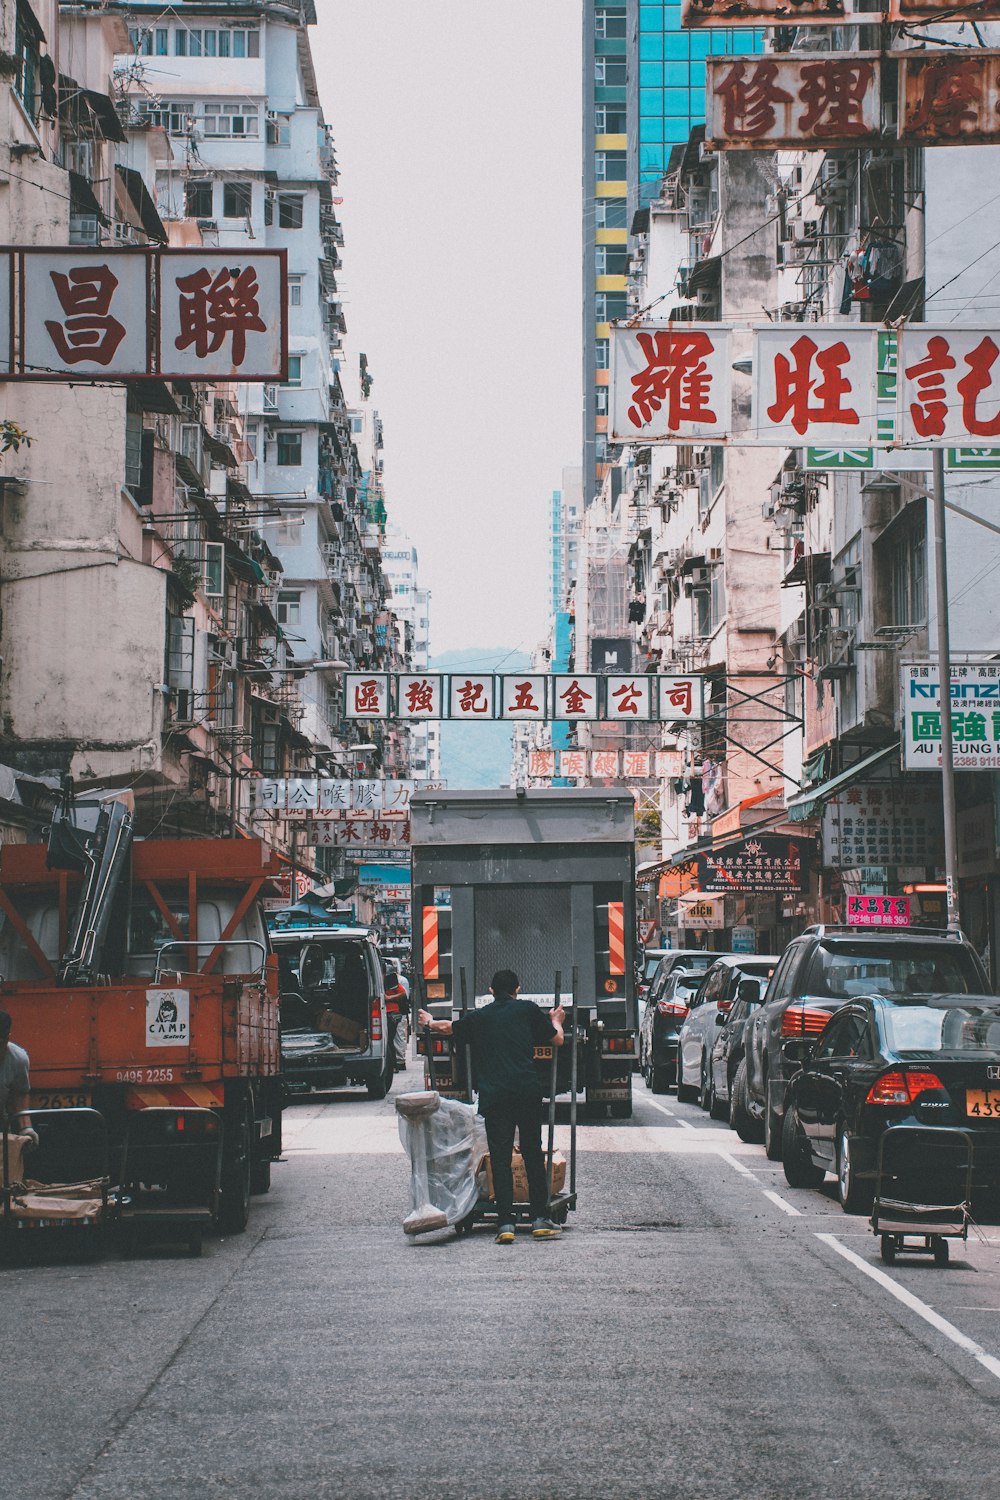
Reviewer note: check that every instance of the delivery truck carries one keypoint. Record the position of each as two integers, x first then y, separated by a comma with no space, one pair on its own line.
541,882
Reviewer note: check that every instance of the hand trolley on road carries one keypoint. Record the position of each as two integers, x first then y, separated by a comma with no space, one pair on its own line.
923,1190
62,1189
562,1202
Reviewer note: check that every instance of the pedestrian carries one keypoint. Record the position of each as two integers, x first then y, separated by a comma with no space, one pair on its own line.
14,1086
503,1036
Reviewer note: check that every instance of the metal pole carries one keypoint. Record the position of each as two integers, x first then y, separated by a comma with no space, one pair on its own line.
944,694
552,1087
572,1094
468,1048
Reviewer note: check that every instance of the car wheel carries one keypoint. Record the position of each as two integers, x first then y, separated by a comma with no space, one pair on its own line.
685,1093
800,1171
237,1153
746,1127
855,1197
659,1080
717,1108
380,1086
705,1091
772,1130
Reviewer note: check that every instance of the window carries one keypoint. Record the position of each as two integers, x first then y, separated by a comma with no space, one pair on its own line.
610,213
909,574
268,208
180,664
609,72
357,424
279,129
295,291
222,120
609,305
237,199
289,607
290,449
609,22
175,116
609,119
294,371
612,260
162,42
601,400
141,41
198,200
251,436
191,442
288,532
243,42
215,570
28,58
290,210
601,354
610,166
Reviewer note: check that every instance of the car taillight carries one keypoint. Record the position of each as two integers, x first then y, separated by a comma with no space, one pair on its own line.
901,1087
671,1008
724,1007
376,1021
803,1020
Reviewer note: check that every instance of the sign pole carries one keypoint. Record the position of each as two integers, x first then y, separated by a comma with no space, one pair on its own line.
944,695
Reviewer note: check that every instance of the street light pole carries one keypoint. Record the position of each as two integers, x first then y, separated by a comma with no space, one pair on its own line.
944,694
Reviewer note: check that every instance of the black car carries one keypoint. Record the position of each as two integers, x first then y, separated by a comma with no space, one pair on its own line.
816,974
664,1014
925,1060
727,1051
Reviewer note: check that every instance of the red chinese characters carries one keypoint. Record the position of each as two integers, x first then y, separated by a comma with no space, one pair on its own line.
472,697
419,697
604,765
811,385
541,764
366,697
83,314
628,698
215,308
949,384
573,764
523,697
576,698
793,101
670,380
88,331
950,96
222,314
818,385
681,698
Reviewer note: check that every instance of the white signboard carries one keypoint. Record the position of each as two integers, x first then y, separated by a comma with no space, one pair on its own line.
629,698
878,823
575,697
471,697
670,382
701,911
366,695
680,698
419,696
85,314
221,313
975,716
523,697
168,1018
815,383
949,385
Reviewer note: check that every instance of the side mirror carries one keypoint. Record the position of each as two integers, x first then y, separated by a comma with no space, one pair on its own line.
721,1018
798,1050
749,991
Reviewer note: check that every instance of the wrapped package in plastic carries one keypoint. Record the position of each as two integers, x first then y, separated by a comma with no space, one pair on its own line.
445,1141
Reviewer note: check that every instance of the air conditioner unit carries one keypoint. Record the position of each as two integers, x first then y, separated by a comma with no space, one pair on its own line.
715,554
806,232
687,478
124,234
699,577
795,635
703,458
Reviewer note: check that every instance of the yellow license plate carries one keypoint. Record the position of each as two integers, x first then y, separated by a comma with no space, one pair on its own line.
983,1104
543,1052
60,1099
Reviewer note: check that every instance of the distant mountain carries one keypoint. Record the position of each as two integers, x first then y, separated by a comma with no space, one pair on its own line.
477,755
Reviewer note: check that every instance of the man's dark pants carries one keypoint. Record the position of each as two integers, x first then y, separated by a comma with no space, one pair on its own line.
524,1114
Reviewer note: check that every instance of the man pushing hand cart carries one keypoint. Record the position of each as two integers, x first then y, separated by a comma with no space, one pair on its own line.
502,1037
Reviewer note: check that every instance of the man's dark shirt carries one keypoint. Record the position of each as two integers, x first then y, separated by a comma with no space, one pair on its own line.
503,1037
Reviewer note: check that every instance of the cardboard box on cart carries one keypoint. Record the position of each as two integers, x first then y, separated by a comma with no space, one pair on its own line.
521,1176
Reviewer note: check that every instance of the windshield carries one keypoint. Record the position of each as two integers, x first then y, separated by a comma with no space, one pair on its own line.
687,983
930,1028
652,964
697,960
840,972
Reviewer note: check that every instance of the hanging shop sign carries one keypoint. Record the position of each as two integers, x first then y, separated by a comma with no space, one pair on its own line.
879,823
628,698
949,98
792,102
975,716
356,833
949,384
326,797
139,313
744,940
670,382
596,765
698,13
702,911
766,864
878,911
939,10
815,383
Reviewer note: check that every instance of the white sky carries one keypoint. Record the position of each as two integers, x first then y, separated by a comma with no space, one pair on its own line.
458,129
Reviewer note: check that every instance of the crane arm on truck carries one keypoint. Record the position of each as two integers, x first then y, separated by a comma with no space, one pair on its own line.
93,837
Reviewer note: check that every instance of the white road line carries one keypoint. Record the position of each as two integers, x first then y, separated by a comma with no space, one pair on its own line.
785,1207
988,1361
664,1110
736,1165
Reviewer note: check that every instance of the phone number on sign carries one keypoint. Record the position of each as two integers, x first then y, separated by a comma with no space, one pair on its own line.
144,1075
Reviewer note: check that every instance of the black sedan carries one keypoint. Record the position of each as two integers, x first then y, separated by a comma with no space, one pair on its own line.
920,1060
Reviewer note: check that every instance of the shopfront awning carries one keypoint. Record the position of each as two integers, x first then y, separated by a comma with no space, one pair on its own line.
809,804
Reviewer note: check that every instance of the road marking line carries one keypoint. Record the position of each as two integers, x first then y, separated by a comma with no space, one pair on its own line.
664,1110
736,1165
785,1207
988,1361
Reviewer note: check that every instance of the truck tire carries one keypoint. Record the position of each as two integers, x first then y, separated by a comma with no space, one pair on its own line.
260,1173
380,1086
237,1160
622,1110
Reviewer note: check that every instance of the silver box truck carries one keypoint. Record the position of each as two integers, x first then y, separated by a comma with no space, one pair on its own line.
541,882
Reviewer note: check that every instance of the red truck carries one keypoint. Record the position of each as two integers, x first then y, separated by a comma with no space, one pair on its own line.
139,977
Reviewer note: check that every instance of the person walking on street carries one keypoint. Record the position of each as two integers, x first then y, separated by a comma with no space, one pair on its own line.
14,1086
503,1036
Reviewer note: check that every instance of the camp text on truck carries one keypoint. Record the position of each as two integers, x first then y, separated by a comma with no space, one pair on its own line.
542,882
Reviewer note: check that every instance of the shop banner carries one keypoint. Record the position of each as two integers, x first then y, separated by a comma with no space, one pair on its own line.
881,823
766,864
949,384
878,911
815,383
975,716
791,101
702,911
324,797
727,13
610,697
670,383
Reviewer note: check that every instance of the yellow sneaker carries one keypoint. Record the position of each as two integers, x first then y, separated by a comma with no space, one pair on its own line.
505,1234
545,1229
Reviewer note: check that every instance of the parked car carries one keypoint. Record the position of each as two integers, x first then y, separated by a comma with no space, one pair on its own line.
686,958
919,1060
816,974
334,1023
710,1008
648,963
663,1015
727,1051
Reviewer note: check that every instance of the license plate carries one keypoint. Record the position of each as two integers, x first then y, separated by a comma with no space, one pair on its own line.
543,1052
61,1099
983,1104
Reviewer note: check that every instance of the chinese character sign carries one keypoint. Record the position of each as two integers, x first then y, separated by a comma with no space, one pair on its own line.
949,97
523,697
681,698
419,696
975,716
85,314
880,823
767,101
670,382
949,384
762,864
541,763
628,698
878,911
221,315
575,697
366,695
697,13
815,383
471,697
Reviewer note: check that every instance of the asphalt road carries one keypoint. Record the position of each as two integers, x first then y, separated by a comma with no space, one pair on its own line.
700,1330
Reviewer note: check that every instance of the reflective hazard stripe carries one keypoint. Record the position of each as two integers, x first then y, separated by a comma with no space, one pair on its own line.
431,967
616,937
177,1096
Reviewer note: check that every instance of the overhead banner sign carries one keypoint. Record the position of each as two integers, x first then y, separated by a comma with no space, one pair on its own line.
793,101
949,98
697,13
599,765
702,911
815,383
139,313
949,384
670,383
766,864
327,797
975,716
609,697
356,833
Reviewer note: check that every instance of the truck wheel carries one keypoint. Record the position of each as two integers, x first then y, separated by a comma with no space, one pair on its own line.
260,1175
237,1151
622,1110
380,1086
